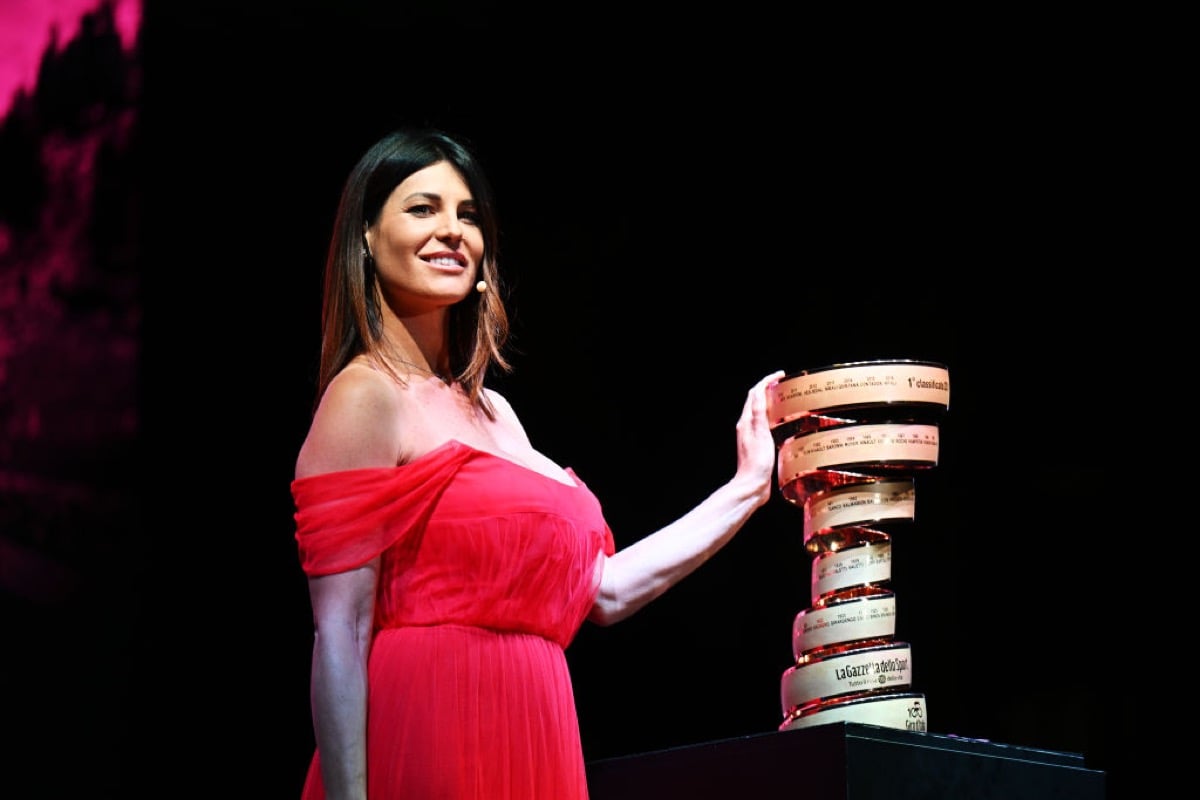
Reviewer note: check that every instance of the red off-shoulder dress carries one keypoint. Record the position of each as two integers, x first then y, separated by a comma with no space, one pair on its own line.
488,570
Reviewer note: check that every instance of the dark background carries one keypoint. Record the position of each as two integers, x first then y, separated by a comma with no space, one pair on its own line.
687,203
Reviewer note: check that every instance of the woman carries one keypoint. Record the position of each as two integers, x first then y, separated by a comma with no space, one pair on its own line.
449,562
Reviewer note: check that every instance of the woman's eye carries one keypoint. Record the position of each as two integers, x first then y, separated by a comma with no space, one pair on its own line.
471,217
423,210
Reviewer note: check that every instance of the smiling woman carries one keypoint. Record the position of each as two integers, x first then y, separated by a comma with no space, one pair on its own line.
449,561
28,28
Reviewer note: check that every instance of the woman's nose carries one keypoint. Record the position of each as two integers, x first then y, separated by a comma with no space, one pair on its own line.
450,229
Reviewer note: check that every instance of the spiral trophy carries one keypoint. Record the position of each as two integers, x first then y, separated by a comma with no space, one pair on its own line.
851,439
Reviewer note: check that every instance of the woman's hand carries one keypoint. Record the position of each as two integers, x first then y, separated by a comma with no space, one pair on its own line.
756,452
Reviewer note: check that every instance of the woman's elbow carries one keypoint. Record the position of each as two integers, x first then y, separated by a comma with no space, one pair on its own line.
610,607
603,613
619,599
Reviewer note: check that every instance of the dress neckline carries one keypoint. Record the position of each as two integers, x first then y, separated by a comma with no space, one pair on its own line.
461,446
575,484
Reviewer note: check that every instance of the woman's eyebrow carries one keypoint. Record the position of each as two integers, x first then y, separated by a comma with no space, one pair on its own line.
423,195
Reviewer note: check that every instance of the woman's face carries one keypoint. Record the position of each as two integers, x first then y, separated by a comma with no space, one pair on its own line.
427,242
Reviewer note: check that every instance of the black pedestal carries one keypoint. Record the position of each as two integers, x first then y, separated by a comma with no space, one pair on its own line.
846,761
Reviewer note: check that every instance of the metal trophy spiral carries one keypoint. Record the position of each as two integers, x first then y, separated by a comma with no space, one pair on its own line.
851,439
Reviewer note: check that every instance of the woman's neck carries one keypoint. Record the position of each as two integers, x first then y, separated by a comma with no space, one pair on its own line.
416,345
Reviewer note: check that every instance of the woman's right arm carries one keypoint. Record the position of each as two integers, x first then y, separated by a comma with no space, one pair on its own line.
355,426
343,608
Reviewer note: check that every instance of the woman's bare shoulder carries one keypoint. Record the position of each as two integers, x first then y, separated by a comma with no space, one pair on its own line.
356,424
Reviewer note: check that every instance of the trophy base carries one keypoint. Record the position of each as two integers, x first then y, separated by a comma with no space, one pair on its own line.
846,761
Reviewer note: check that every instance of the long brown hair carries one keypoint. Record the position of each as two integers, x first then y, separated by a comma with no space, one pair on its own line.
351,320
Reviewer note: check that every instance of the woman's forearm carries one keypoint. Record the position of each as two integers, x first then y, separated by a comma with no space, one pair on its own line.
645,569
339,709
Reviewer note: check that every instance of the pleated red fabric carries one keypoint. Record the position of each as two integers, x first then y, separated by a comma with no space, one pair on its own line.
488,570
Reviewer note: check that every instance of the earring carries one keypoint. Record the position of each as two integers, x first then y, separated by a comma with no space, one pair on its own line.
481,287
